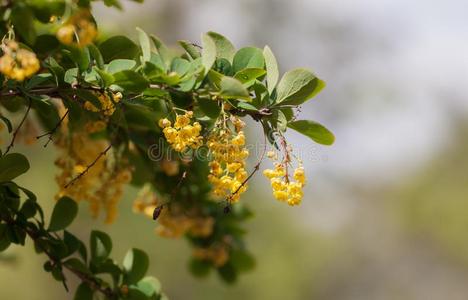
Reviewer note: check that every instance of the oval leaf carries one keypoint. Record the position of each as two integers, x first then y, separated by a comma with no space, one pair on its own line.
232,88
272,69
313,130
298,86
101,246
65,211
249,57
224,48
135,264
208,52
13,165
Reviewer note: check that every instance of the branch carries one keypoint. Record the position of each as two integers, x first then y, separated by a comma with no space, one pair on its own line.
12,143
52,132
92,282
89,166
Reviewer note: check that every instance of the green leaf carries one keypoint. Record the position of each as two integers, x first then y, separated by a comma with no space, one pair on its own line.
65,211
313,130
298,86
12,165
191,50
248,76
208,52
228,273
100,245
199,268
150,286
135,264
118,65
22,18
83,292
249,57
242,260
118,47
107,79
96,55
145,44
232,88
131,81
209,107
165,54
271,68
224,48
28,209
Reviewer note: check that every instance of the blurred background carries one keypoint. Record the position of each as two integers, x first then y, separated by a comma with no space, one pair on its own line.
386,209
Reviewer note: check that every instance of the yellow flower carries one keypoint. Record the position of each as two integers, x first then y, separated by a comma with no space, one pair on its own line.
79,30
182,135
16,63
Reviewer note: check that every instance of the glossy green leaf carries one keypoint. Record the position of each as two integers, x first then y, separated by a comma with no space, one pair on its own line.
248,57
224,48
248,76
65,211
22,19
298,86
118,65
208,52
145,44
100,246
191,49
313,130
118,47
12,165
209,107
233,89
135,264
131,81
149,286
271,68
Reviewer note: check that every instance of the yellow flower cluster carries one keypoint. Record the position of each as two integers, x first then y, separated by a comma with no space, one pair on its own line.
218,254
174,220
227,169
284,189
101,184
107,104
17,63
79,30
183,135
95,126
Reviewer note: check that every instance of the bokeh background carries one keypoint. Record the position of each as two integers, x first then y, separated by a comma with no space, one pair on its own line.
386,209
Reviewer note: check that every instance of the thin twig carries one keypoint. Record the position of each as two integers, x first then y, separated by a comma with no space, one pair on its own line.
255,170
52,132
89,166
12,143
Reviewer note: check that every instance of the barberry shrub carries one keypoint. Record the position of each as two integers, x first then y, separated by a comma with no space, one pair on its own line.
167,120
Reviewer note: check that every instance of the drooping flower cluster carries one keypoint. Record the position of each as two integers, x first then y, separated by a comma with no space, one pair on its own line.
79,30
182,135
227,168
101,179
17,63
174,220
285,189
218,254
108,103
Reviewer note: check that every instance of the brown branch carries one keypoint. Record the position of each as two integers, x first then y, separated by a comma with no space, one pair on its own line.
12,143
90,280
52,132
89,166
